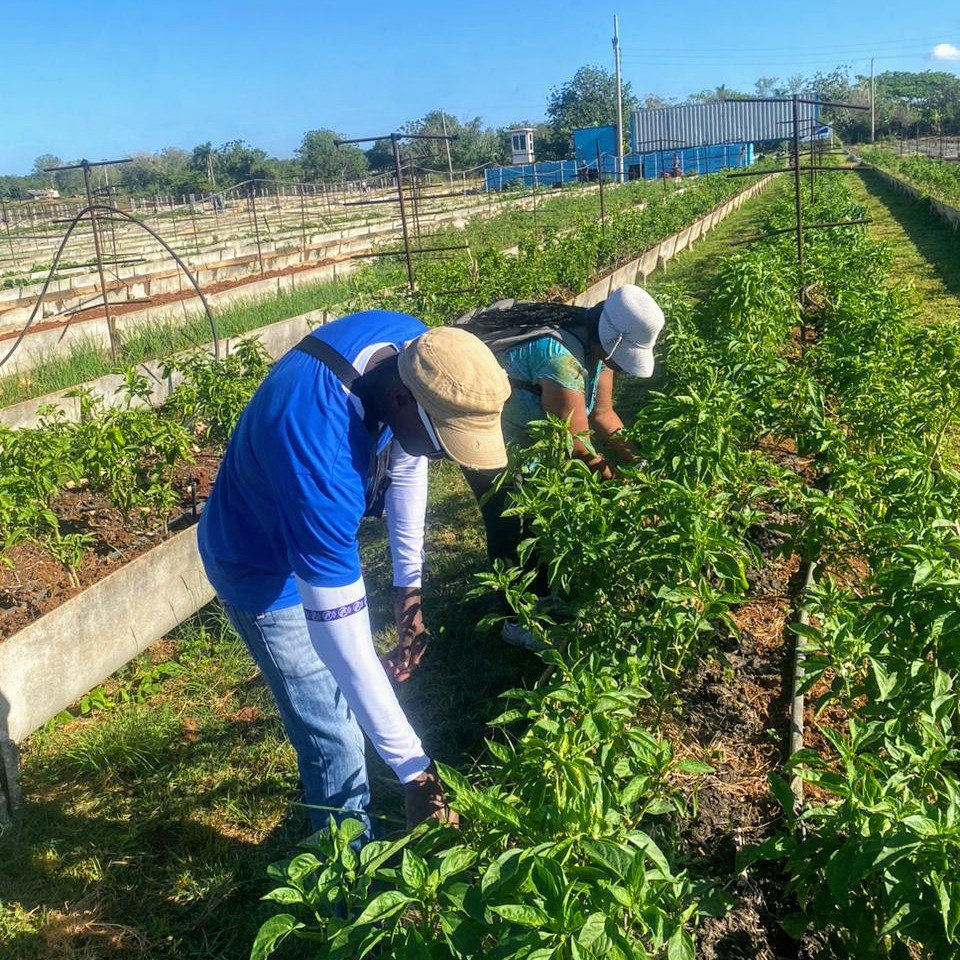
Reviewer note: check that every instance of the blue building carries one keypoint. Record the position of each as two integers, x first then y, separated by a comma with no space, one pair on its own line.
685,153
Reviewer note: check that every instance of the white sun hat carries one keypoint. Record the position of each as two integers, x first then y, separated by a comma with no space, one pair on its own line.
630,322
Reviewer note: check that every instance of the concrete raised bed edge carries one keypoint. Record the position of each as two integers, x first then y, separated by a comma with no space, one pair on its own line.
950,215
56,659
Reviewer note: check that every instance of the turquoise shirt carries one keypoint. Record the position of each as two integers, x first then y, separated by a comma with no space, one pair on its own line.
528,363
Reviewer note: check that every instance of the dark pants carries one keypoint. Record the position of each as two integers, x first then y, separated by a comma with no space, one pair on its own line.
503,533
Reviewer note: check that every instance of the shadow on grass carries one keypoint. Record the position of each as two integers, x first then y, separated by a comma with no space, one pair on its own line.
157,885
936,241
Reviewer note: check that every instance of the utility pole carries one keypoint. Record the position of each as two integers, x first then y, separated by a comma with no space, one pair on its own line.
873,108
446,141
616,65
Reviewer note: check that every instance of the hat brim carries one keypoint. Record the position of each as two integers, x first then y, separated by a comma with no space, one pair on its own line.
631,358
637,361
474,442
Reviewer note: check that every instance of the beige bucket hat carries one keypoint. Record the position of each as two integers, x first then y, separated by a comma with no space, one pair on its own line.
456,379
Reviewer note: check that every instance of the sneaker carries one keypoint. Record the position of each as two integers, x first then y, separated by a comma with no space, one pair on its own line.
518,636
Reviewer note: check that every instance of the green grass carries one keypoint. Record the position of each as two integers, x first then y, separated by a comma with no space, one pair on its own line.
926,251
159,338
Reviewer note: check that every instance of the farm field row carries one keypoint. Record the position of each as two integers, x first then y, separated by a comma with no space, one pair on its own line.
581,830
933,178
476,671
502,230
780,433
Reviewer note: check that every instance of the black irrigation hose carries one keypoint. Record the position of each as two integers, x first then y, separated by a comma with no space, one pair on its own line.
112,213
796,698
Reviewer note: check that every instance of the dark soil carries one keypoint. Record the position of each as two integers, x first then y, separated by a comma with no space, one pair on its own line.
734,714
33,583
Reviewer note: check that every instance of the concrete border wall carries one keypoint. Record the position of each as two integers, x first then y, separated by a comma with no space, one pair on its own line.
950,215
56,659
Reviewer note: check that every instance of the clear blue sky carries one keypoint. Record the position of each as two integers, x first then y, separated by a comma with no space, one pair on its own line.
120,76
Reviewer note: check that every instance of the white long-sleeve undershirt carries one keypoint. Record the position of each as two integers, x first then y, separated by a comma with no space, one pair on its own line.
406,504
339,625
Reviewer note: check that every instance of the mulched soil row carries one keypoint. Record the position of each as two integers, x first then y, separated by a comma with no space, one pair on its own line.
33,583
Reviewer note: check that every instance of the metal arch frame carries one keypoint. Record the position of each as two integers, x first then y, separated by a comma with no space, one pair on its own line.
115,213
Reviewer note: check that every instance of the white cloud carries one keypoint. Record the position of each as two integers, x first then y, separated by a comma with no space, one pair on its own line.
945,51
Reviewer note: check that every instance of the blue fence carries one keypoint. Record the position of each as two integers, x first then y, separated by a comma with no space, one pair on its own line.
636,166
545,174
688,160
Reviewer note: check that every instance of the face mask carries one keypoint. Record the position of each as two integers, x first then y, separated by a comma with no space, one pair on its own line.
431,434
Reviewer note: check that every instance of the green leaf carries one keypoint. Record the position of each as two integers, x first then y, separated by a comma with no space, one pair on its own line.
455,860
618,859
651,851
680,945
350,829
592,935
522,914
413,869
415,948
301,866
493,808
271,933
782,793
382,906
284,895
694,766
886,683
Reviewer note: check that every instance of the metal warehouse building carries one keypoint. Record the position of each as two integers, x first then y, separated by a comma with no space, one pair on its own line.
707,124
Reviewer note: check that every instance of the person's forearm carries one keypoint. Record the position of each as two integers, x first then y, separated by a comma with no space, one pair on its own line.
608,429
592,459
406,504
339,627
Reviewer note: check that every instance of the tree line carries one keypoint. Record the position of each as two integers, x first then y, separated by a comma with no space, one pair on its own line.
907,105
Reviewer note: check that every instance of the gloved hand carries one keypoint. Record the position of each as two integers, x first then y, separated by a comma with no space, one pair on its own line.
423,799
401,662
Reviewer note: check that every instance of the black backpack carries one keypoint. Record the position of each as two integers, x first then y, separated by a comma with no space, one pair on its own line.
510,323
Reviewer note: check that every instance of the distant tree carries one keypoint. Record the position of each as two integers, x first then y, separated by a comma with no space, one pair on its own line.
653,101
321,159
238,161
380,155
765,86
68,182
834,86
716,95
475,144
588,100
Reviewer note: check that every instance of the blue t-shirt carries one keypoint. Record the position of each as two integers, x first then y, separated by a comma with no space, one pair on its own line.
528,363
290,492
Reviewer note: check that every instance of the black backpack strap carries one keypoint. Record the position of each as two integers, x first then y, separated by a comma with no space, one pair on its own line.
341,368
378,470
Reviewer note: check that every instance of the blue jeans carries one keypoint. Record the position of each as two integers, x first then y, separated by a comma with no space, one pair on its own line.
315,715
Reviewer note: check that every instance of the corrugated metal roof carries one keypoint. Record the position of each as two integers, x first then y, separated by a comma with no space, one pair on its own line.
708,123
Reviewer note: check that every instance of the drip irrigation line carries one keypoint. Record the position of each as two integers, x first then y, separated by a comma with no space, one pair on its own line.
112,213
